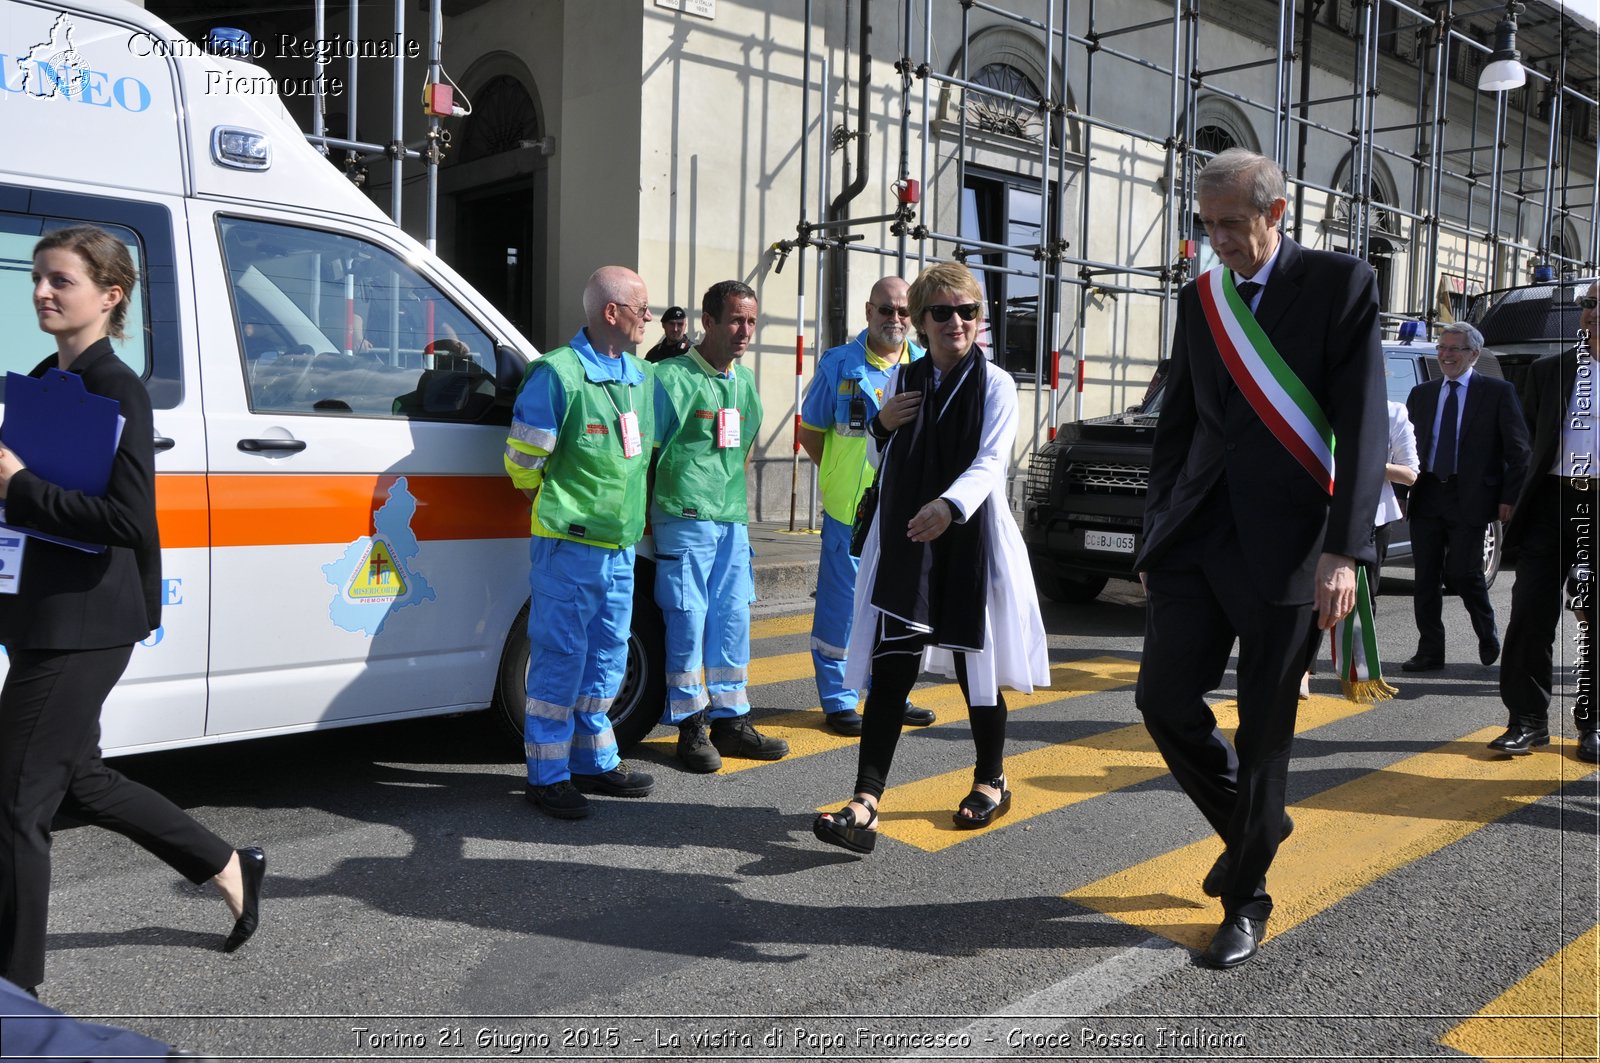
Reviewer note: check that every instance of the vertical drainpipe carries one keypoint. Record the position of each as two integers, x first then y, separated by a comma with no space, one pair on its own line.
1312,7
837,257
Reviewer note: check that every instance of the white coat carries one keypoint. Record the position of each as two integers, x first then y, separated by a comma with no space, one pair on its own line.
1015,653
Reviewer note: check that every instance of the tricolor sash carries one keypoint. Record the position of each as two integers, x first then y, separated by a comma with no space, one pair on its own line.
1296,420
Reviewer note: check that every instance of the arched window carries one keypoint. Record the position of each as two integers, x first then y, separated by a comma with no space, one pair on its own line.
503,119
996,114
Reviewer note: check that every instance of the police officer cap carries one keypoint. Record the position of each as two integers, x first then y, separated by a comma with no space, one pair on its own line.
674,313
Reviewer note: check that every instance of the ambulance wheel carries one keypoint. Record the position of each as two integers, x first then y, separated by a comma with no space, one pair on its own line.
637,707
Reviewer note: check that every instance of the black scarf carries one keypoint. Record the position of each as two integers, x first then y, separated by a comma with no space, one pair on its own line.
942,586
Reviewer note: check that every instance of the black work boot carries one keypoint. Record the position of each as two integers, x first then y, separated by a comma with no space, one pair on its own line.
694,748
736,737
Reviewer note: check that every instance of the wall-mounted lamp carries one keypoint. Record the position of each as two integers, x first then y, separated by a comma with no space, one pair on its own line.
1504,71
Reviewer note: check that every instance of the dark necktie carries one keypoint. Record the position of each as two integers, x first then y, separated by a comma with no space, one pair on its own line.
1247,291
1444,455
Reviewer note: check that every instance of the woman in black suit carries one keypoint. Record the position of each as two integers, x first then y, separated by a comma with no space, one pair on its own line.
70,628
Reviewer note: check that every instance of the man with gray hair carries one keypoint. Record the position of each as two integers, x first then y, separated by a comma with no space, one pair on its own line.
1247,533
578,450
1472,443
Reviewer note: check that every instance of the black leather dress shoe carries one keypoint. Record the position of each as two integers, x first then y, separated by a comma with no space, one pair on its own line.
252,869
847,723
1420,663
1236,941
1217,877
1489,650
1589,747
915,717
1519,740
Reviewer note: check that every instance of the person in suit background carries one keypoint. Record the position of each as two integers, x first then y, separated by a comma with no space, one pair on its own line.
70,628
1242,539
1473,443
1554,525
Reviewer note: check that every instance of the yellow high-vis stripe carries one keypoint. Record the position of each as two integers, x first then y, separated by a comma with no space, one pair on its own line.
806,733
1554,1013
1377,824
1045,780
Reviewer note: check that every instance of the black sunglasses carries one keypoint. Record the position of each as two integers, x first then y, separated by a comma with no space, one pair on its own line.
1588,302
942,312
892,311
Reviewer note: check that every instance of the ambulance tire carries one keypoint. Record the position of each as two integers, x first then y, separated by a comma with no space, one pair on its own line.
637,707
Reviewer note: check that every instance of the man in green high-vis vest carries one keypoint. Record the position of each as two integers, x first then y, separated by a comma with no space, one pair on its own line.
579,432
707,415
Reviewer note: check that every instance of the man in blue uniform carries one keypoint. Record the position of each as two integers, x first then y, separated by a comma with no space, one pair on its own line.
577,450
843,396
707,415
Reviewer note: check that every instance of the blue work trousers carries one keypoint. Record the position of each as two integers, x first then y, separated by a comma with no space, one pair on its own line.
578,652
704,587
834,616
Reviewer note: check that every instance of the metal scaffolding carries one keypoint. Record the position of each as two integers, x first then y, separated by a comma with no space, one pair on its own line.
1498,180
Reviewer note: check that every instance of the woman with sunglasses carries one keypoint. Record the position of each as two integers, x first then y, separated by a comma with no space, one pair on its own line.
945,582
70,624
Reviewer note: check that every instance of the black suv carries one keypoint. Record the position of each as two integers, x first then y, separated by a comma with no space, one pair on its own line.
1083,504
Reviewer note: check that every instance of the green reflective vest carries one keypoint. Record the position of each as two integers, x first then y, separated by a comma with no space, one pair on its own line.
591,493
695,478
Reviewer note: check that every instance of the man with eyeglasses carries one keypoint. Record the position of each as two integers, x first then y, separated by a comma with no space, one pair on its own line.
708,414
1248,535
845,393
1473,446
1555,526
577,450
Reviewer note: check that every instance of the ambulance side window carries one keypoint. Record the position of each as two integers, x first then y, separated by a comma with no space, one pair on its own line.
331,325
25,345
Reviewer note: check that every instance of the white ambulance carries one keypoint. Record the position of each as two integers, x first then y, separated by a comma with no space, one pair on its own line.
340,542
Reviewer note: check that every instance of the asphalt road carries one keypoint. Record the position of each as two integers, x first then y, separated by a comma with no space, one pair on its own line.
416,907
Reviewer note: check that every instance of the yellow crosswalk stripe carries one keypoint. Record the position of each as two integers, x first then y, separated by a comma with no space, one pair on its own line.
773,627
1377,824
1045,780
781,668
1550,1014
805,733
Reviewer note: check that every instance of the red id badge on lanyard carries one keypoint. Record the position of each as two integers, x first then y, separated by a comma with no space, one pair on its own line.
727,427
629,422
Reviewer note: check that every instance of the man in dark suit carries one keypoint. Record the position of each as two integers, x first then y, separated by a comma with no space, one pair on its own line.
1554,525
1242,538
1473,445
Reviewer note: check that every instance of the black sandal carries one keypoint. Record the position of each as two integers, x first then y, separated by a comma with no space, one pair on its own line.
981,808
841,828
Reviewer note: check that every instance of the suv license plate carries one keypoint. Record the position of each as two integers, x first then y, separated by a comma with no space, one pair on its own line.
1115,542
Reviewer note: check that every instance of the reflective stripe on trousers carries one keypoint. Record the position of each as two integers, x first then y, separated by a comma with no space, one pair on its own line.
578,652
704,586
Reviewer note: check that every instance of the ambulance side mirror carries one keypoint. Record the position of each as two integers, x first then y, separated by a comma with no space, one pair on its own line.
509,368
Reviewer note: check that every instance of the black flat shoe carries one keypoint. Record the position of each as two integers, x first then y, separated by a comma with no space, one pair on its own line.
1236,940
252,869
1519,740
982,809
842,829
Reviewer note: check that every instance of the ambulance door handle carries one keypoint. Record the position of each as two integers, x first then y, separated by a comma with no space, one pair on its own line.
261,446
164,443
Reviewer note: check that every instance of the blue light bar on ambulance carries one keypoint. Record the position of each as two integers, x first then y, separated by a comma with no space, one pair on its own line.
240,149
231,42
1410,330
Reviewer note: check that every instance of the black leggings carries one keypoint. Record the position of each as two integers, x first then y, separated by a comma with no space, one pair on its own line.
893,675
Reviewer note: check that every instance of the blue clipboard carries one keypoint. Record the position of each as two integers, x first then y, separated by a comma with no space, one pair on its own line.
64,435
